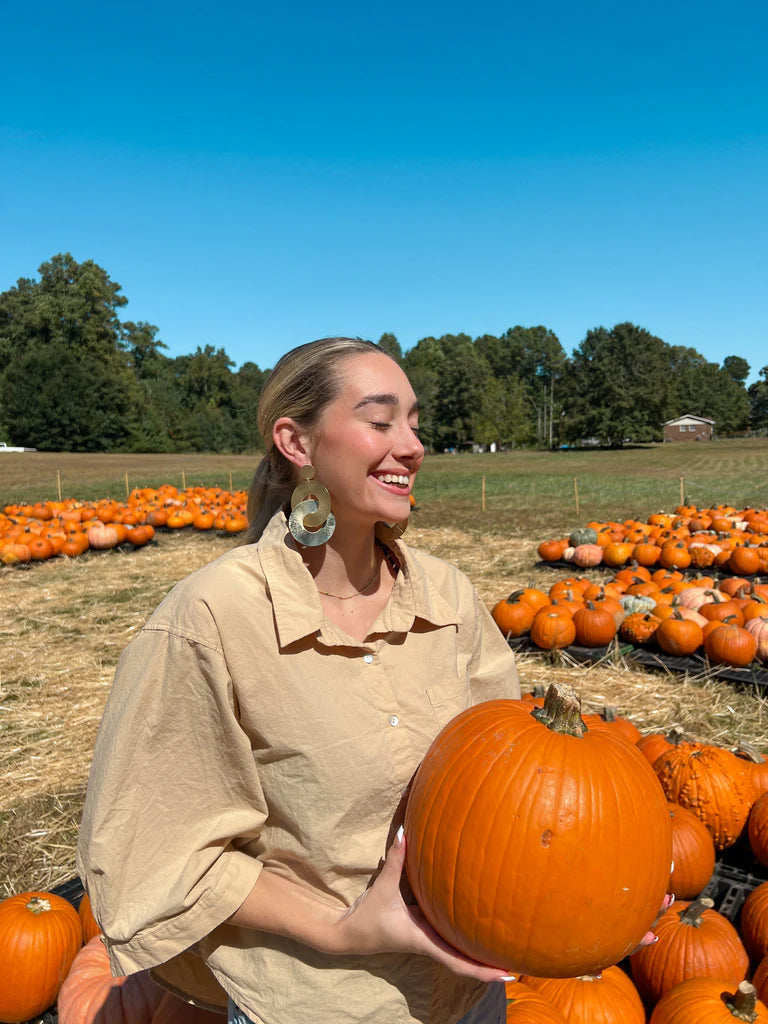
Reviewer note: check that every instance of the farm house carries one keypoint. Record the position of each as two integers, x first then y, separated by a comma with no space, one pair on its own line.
689,428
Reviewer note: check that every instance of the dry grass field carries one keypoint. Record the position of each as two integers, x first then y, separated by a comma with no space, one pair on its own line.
64,623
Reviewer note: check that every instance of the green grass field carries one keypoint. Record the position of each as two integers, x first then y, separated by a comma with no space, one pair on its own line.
526,492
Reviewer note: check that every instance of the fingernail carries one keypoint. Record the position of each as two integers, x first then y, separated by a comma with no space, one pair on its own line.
508,977
655,939
400,834
671,900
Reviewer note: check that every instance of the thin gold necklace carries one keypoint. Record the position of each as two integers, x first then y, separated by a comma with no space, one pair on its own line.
362,590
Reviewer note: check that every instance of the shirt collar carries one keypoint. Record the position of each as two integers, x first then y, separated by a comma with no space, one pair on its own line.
296,602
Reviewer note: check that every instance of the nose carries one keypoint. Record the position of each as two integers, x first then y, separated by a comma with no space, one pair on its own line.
408,444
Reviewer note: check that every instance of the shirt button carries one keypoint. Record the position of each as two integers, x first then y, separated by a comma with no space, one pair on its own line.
367,658
394,720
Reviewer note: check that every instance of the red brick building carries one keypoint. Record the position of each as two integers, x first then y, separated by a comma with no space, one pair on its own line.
689,428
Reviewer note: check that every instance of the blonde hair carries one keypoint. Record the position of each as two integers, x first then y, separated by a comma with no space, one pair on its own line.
303,382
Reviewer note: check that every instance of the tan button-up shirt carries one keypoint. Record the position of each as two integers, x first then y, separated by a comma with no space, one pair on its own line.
244,732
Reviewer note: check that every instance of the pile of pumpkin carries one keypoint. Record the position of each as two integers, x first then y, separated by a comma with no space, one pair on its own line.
540,840
32,533
661,608
725,538
697,970
51,953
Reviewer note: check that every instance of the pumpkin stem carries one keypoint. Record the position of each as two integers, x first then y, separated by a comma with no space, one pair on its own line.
38,905
675,736
748,753
561,711
743,1003
515,596
691,915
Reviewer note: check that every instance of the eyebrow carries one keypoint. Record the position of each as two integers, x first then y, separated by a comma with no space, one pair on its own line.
386,398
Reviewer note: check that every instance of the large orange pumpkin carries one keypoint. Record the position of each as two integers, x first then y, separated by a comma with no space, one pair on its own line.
92,994
39,938
521,831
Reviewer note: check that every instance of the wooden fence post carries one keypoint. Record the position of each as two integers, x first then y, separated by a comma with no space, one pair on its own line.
127,489
58,482
576,494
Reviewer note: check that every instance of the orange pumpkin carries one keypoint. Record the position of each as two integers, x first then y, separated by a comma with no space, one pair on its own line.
693,853
513,615
712,782
39,938
487,800
730,644
595,627
88,923
708,1001
754,922
553,629
693,940
677,635
524,1006
90,992
607,998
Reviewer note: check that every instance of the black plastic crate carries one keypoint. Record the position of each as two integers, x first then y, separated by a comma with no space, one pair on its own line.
728,887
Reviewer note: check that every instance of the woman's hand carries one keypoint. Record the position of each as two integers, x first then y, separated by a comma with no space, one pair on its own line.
649,938
380,921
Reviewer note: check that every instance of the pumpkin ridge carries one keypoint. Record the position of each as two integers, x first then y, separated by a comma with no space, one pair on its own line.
440,858
476,871
513,845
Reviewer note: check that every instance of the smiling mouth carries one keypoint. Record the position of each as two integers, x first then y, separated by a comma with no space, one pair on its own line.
400,480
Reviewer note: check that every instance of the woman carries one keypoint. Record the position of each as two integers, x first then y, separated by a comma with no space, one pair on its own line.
250,773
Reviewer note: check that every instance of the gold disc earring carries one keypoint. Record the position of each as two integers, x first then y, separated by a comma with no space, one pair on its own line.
311,507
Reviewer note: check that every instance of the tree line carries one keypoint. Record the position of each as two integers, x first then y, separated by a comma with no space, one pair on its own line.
75,376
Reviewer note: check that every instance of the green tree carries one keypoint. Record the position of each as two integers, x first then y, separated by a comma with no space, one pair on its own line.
59,401
503,415
65,374
391,346
758,401
535,357
449,377
247,385
736,368
706,389
618,386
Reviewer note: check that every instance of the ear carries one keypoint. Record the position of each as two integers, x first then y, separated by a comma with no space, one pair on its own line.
291,441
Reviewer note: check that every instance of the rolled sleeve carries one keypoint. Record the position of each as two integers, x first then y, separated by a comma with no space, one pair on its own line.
173,799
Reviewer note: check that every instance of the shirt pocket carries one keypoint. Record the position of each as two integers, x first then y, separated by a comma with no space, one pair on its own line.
449,698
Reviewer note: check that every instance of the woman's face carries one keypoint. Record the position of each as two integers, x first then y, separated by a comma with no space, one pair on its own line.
366,448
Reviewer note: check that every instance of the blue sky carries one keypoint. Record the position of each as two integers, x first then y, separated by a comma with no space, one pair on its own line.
257,176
